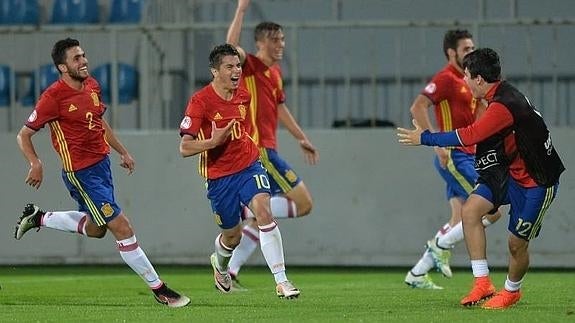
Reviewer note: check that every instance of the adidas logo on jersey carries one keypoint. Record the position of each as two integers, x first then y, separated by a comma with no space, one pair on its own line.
72,108
218,116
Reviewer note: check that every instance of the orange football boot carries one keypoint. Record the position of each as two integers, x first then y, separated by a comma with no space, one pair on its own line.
502,300
482,289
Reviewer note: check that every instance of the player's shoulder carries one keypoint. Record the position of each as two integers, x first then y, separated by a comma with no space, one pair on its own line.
251,57
446,73
242,93
444,78
91,83
55,89
203,94
202,97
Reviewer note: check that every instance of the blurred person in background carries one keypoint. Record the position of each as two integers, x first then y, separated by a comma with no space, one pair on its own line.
263,78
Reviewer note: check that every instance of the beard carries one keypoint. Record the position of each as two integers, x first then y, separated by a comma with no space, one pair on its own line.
75,75
459,60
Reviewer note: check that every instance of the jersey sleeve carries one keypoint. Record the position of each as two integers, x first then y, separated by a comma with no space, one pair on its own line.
45,111
496,118
438,88
192,121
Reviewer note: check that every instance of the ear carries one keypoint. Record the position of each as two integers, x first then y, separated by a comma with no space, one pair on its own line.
451,52
479,80
62,68
213,71
259,44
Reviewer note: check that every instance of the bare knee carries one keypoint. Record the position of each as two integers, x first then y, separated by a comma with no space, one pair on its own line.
468,216
474,209
304,207
231,237
517,246
121,227
94,231
301,196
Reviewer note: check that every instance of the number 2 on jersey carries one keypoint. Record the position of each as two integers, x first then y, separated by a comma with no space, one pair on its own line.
90,118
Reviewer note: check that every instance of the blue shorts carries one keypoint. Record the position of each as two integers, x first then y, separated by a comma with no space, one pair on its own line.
459,175
528,207
226,193
93,189
282,177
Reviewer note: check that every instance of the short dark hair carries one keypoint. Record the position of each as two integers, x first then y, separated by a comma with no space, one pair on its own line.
484,62
452,37
60,48
219,52
265,29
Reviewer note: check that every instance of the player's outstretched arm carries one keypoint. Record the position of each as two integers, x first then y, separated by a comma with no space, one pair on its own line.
410,137
235,29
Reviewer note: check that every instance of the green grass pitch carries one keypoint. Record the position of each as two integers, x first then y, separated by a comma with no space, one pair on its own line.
115,294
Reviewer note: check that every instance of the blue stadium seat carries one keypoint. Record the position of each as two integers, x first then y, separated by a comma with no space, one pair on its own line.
102,74
127,82
48,74
19,12
75,12
29,97
126,11
5,74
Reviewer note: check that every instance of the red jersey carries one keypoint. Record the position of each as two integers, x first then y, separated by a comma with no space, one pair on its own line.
239,151
496,118
454,103
75,120
266,88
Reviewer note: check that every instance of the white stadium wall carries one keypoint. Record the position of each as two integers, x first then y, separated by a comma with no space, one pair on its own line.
376,203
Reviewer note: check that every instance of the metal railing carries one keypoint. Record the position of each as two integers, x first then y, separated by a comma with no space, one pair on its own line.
369,80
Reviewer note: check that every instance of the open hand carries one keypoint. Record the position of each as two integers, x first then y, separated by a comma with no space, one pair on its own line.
35,175
310,153
219,135
128,163
410,137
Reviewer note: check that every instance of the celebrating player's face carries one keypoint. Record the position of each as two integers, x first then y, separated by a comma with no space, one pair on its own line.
273,44
229,73
76,64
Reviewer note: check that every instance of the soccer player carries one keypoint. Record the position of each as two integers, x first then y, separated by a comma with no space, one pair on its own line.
454,107
73,109
263,77
518,165
214,126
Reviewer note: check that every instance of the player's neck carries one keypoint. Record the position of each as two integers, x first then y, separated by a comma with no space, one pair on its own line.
222,92
266,59
73,83
456,66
